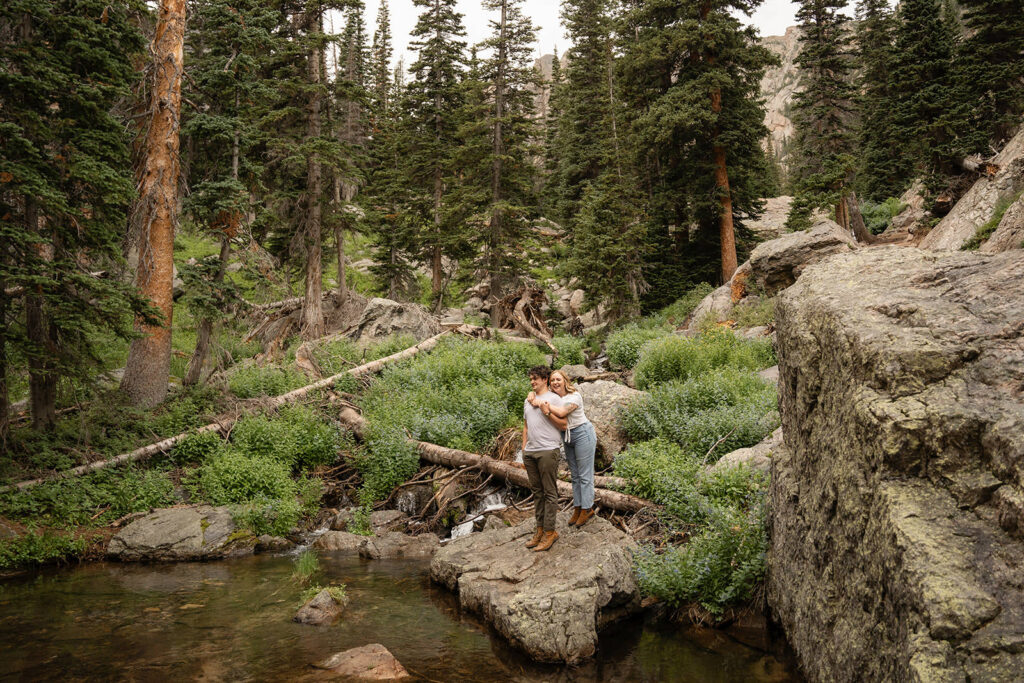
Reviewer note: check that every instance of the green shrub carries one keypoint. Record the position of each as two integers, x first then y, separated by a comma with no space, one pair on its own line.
878,215
35,548
182,412
570,351
460,395
623,346
274,516
110,492
719,566
678,358
337,355
251,381
297,437
730,405
389,345
234,477
360,522
196,448
335,590
307,565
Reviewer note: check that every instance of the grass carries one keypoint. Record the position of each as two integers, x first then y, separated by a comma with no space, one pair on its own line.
307,565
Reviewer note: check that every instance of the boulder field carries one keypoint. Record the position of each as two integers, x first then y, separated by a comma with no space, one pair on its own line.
897,508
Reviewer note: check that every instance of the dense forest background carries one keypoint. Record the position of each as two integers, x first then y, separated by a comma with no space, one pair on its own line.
287,144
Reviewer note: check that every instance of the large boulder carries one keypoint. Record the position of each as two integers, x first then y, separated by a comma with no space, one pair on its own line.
777,264
975,208
383,317
602,402
394,545
897,507
1009,233
757,457
198,532
717,304
367,663
548,604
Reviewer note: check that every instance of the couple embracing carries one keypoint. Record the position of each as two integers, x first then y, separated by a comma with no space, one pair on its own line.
553,416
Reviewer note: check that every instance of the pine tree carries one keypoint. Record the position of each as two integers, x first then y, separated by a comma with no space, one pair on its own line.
226,43
352,100
878,175
691,79
65,190
922,93
990,73
596,184
434,101
552,151
380,60
822,111
511,76
156,213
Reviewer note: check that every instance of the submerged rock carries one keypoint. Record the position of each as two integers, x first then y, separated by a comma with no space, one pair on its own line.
320,610
602,402
393,545
895,521
367,663
548,604
272,544
198,532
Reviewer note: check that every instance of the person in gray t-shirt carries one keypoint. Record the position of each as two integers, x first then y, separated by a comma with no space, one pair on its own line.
541,441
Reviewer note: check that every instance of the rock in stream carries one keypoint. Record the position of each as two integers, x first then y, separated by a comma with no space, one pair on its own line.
548,604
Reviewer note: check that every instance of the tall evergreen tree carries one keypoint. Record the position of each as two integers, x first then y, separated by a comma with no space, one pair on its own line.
922,92
380,60
226,43
552,153
990,73
65,188
352,101
512,78
434,101
156,214
878,174
822,111
691,77
596,184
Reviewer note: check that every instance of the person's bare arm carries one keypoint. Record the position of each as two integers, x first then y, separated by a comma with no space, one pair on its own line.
558,411
549,413
524,435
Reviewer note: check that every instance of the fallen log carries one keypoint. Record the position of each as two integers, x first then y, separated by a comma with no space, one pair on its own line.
454,458
225,423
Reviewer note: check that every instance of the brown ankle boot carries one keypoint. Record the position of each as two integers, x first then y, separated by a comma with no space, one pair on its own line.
584,516
575,515
549,540
532,543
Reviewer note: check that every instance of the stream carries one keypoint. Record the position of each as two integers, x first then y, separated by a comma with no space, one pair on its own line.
231,620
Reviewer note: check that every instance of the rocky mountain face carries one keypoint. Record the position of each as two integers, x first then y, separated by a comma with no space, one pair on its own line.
897,509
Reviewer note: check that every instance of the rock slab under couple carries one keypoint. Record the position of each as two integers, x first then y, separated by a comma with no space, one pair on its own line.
549,604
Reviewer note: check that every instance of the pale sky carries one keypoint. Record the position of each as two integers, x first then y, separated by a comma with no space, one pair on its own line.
771,19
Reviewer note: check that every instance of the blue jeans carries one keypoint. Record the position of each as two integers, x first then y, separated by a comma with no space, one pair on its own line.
579,454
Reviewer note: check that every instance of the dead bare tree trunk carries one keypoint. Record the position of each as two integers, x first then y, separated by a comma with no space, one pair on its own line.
149,356
312,312
42,333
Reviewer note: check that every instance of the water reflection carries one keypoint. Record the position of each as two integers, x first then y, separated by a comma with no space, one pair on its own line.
231,620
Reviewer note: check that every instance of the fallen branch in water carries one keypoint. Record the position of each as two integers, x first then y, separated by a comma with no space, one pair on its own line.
226,423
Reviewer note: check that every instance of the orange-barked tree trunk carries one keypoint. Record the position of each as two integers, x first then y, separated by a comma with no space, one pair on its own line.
149,357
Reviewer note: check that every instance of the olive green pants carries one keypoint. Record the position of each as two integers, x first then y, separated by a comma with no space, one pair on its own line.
542,469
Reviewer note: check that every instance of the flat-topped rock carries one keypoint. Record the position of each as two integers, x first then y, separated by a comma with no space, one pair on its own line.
897,507
777,264
367,663
198,532
549,604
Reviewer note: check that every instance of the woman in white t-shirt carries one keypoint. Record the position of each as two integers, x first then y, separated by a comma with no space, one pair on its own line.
580,442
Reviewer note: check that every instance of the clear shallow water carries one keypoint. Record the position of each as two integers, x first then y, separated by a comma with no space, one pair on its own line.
231,620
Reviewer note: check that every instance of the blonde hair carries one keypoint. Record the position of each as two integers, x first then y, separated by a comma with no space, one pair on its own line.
569,388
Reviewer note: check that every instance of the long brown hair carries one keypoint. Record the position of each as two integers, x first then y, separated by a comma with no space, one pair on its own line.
569,388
